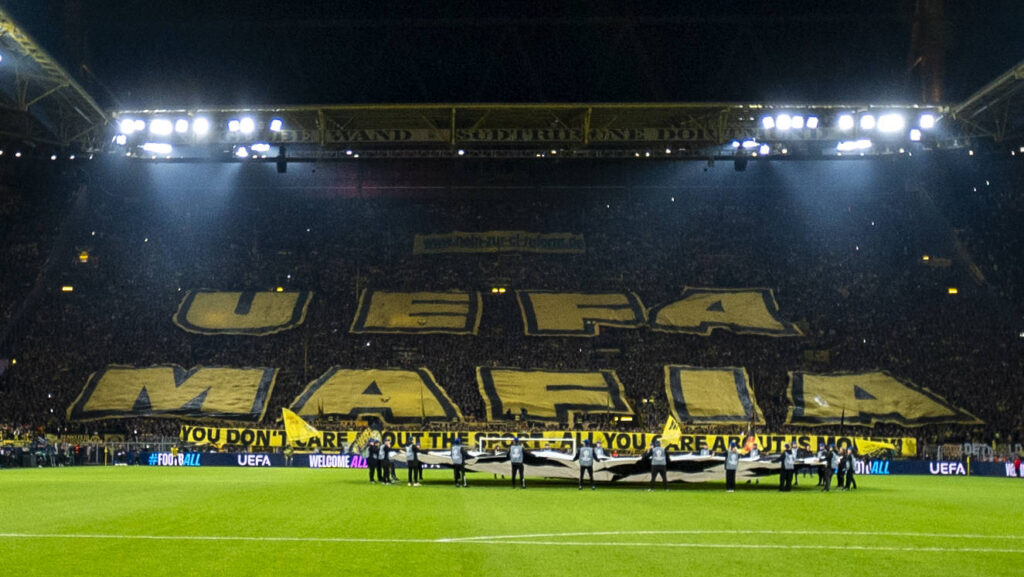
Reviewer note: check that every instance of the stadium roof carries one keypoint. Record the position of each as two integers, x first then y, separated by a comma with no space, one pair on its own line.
39,100
791,49
996,110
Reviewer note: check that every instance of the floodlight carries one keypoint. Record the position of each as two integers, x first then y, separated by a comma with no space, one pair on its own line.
915,135
783,122
798,122
926,121
735,144
867,122
891,122
157,147
812,122
247,125
139,125
161,126
181,126
260,147
127,126
764,150
275,125
748,144
121,139
845,122
241,152
768,122
234,125
200,126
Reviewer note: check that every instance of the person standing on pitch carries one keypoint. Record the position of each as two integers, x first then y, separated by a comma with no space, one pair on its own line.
831,464
412,462
796,469
849,463
788,465
515,456
459,456
371,458
822,457
659,464
841,469
586,456
732,462
384,463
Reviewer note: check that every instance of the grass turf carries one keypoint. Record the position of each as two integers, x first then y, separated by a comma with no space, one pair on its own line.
144,521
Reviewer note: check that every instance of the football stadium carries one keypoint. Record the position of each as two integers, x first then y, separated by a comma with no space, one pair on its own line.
609,289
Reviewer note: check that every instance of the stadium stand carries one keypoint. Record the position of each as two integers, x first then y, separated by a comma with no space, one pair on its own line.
841,243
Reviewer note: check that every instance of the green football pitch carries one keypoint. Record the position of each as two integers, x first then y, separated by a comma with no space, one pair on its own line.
221,522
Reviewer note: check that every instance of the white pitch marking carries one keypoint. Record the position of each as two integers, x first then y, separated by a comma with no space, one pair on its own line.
212,538
754,546
739,532
501,541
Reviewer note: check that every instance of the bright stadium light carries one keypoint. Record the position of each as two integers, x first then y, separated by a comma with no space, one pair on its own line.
867,122
161,127
915,135
157,147
181,126
891,122
247,125
139,125
275,125
234,125
798,122
812,122
127,126
260,147
845,122
783,121
768,122
927,121
241,152
201,126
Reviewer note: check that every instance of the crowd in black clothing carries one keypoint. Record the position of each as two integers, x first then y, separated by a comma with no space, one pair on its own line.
843,258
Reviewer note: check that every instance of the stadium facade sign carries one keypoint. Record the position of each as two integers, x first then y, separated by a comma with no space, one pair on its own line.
510,135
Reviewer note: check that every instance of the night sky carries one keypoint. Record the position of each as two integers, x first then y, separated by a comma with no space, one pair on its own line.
158,53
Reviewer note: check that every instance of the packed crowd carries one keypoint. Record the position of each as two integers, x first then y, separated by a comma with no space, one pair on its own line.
843,255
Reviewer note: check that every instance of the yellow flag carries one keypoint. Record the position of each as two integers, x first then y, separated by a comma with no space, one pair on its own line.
297,429
671,433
